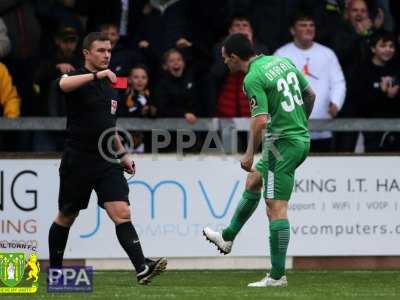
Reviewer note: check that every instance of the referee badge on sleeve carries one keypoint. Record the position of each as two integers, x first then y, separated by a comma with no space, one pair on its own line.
114,105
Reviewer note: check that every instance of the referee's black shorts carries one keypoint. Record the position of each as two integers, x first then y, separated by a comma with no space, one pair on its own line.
81,173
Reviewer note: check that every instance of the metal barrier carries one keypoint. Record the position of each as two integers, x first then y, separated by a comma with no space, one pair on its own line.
228,128
205,124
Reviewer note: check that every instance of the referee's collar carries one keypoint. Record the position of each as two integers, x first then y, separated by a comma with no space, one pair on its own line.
86,70
83,68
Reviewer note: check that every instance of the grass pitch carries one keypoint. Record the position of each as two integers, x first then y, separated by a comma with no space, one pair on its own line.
208,285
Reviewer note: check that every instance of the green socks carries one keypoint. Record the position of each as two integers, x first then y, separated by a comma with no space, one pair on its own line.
278,241
279,231
243,212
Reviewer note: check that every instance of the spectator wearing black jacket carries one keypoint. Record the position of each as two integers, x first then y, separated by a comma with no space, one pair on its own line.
52,103
350,40
51,15
122,57
174,95
377,89
127,14
350,43
65,59
395,10
164,23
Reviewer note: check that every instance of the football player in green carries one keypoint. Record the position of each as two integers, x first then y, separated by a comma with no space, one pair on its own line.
281,101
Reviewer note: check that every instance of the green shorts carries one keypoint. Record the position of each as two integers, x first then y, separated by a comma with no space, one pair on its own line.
278,164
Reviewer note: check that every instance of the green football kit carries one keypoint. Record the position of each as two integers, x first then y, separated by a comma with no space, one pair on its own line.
274,87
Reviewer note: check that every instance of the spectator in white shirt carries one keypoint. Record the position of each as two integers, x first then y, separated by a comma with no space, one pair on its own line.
322,69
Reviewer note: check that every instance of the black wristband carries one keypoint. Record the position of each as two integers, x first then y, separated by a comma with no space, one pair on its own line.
95,76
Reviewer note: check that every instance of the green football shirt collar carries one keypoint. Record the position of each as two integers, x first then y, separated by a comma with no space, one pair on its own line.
253,59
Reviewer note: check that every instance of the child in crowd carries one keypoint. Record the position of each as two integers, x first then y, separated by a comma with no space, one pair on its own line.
377,90
137,102
174,96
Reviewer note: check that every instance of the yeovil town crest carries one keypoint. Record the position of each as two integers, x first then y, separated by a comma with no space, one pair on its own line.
12,269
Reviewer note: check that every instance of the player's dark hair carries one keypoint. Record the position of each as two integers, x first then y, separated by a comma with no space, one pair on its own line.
300,16
382,35
240,45
93,37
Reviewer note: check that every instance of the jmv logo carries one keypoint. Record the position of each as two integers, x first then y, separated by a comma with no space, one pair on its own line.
12,269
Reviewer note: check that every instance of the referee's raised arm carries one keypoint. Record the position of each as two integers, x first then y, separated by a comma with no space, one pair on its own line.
70,83
96,48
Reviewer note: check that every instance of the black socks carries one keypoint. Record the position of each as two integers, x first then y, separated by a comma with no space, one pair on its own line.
58,236
129,240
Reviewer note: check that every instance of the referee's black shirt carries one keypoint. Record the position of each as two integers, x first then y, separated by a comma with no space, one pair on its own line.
91,110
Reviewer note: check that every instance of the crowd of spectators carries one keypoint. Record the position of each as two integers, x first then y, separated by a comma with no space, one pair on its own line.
170,52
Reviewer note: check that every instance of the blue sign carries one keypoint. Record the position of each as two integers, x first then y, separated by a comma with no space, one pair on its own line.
70,279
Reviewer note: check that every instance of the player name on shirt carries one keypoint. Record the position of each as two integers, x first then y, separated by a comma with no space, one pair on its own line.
276,69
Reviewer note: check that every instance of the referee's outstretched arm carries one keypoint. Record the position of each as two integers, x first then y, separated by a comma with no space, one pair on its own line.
70,83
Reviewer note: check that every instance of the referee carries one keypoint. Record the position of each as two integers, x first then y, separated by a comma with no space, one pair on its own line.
91,110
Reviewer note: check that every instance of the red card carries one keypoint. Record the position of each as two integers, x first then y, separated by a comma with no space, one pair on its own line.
121,83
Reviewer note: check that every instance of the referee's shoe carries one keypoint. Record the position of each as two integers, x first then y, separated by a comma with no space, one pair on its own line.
152,268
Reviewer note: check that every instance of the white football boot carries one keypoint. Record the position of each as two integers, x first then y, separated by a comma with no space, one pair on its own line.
216,238
268,281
